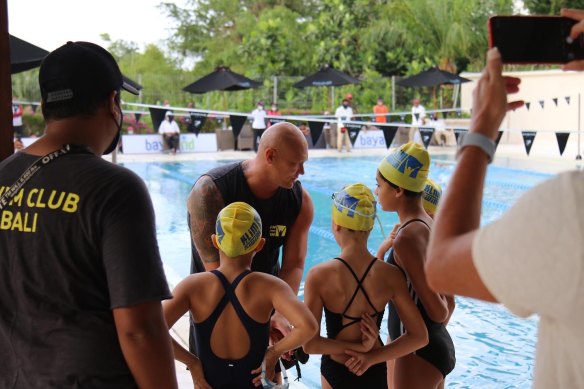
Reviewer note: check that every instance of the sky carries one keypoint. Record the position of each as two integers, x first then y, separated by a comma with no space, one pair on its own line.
51,23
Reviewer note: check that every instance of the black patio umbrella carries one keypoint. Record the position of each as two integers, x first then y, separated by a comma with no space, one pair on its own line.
222,79
327,76
432,77
24,55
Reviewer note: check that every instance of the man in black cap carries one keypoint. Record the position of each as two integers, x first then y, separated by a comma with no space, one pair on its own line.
81,277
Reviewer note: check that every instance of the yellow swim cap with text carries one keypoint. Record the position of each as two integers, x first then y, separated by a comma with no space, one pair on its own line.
431,196
238,228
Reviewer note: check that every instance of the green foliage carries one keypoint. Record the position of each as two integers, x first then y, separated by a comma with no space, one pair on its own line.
33,123
551,7
160,76
275,45
368,39
25,85
438,33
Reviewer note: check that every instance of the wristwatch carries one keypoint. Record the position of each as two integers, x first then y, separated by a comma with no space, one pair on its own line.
479,140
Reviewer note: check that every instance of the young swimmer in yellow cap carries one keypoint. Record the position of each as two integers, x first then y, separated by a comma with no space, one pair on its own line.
430,199
353,289
401,179
231,308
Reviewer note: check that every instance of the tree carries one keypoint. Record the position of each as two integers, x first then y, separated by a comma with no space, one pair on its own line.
276,44
335,35
120,48
433,32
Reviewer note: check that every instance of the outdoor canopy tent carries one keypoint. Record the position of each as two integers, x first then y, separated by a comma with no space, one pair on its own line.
24,55
432,77
222,79
327,76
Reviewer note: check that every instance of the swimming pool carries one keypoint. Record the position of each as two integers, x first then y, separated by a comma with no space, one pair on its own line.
494,349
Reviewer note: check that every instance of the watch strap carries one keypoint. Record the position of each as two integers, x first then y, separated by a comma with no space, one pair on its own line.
479,140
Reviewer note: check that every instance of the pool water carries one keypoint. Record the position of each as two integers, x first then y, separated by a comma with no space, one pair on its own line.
494,349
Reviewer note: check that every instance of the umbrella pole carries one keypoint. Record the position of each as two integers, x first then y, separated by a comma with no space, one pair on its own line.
393,93
224,125
332,98
140,91
275,98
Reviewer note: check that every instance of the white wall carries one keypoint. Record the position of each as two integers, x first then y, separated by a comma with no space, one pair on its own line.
536,86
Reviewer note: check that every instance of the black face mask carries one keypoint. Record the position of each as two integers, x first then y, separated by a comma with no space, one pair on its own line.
345,105
116,139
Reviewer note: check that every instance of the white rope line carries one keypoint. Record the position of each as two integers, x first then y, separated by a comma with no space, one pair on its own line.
318,118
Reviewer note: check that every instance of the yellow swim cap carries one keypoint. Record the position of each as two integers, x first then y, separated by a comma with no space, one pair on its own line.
354,208
406,167
431,196
238,229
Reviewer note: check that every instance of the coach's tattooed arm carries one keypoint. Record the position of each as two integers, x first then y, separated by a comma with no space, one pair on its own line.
204,204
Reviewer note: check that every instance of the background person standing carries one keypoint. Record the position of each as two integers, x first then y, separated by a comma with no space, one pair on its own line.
258,124
343,113
380,110
418,119
17,112
274,111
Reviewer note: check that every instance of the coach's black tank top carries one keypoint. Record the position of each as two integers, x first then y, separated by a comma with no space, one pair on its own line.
278,214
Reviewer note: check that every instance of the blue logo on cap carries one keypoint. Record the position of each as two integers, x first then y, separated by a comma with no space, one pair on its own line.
405,163
220,232
343,200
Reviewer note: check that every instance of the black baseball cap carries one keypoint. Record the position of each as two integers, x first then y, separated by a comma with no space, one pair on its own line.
78,70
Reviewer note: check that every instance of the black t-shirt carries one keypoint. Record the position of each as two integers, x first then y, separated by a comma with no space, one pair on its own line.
278,214
78,240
